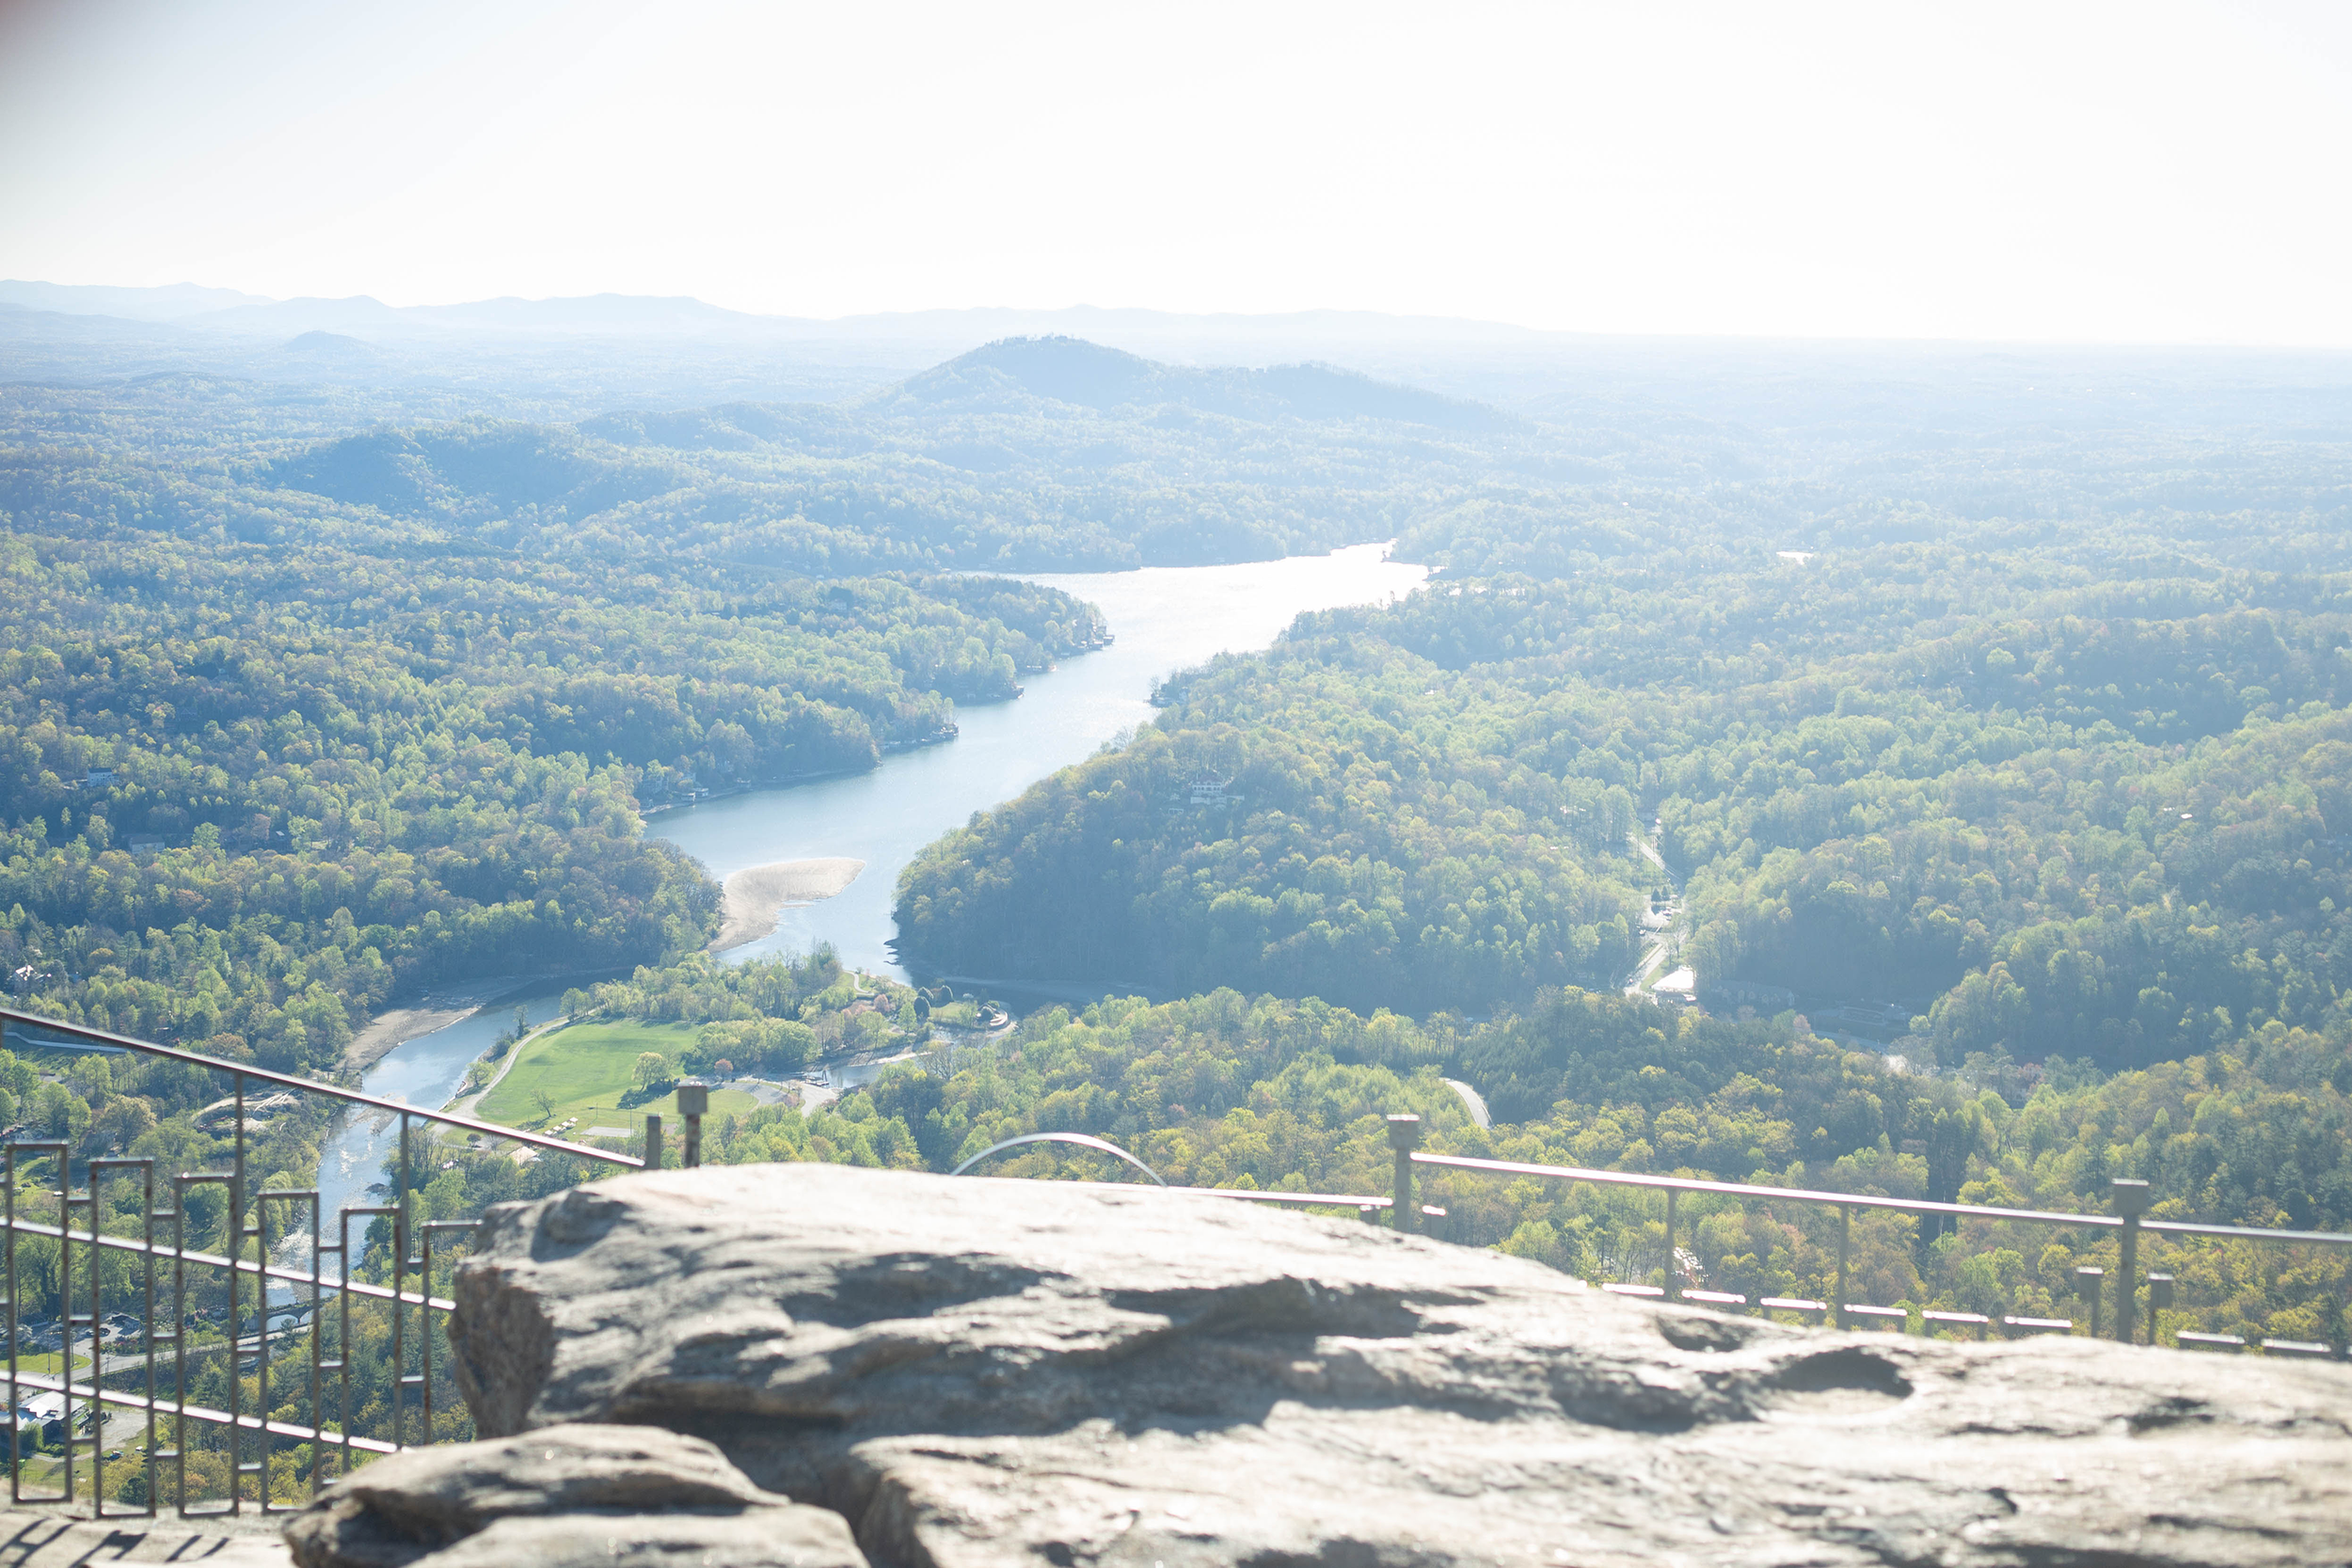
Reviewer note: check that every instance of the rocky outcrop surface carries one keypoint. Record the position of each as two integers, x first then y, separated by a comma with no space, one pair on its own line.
983,1373
575,1497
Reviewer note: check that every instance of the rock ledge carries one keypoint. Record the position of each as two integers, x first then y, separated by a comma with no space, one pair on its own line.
981,1373
568,1497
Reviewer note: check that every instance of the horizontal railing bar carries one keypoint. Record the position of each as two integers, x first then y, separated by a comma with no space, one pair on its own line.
1316,1200
1742,1189
1866,1200
310,1086
243,1265
2184,1227
48,1384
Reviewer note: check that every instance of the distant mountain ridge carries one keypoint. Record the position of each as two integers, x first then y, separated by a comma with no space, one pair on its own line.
332,346
230,310
1037,453
171,302
1678,402
1088,376
505,462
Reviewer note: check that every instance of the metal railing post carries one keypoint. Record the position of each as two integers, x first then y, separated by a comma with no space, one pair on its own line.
156,1457
65,1308
16,1397
694,1103
180,1341
98,1171
343,1328
236,1310
1845,1234
400,1285
309,1197
1403,1137
231,1257
318,1345
653,1141
147,1325
2131,1202
2159,1300
2090,1284
90,1411
1673,1292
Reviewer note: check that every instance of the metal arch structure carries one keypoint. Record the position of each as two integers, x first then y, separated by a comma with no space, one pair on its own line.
1083,1140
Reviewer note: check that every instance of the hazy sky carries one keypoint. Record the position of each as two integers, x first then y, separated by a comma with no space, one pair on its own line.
2050,171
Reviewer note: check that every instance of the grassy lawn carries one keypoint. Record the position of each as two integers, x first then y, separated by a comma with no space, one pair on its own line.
585,1068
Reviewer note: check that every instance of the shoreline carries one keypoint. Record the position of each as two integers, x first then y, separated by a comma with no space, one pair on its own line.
396,1026
435,1010
755,896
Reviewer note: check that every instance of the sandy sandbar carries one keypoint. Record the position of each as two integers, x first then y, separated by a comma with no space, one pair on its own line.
437,1011
758,894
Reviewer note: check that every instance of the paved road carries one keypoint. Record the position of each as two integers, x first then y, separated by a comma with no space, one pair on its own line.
1654,959
1473,1100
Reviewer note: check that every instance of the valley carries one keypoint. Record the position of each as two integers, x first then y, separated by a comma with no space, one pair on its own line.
1283,747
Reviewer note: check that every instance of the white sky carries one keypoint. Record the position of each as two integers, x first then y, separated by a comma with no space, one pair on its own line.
2146,171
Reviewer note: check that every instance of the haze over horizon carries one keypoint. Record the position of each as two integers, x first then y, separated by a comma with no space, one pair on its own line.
2104,174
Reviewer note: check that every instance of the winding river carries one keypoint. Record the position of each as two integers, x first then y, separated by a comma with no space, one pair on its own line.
1164,619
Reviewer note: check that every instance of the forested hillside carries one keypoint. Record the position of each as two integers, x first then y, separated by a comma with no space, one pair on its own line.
1377,834
304,709
254,791
1223,1090
2058,788
1047,454
2034,727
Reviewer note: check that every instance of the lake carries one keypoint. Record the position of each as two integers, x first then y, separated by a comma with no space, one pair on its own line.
1164,619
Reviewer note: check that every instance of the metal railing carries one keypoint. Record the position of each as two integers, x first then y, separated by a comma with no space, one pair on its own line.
177,1290
1366,1206
2129,1222
56,1214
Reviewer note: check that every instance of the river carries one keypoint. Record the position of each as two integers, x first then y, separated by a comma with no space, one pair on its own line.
1164,619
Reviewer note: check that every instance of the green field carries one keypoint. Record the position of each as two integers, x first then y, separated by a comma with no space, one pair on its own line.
586,1069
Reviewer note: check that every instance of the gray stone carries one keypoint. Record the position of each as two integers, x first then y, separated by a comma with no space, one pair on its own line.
572,1495
757,1538
984,1373
48,1537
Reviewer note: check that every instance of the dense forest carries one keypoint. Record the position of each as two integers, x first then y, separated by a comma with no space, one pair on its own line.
2059,812
255,791
1220,1090
2025,719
